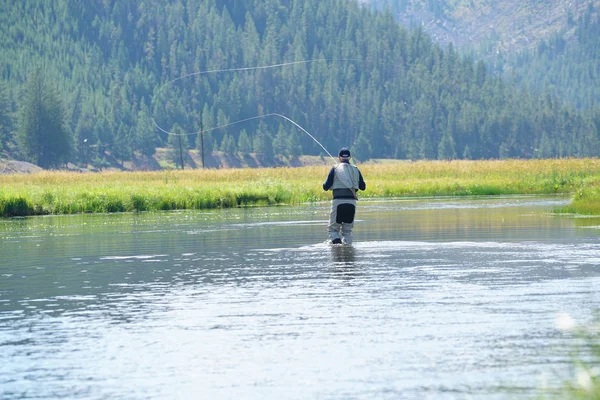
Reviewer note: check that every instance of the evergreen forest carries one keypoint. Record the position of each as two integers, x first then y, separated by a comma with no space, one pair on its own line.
566,64
551,46
82,81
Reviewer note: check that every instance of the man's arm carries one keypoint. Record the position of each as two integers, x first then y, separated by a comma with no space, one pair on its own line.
361,182
329,182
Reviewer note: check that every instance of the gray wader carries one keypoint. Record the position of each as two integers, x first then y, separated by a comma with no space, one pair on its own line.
341,220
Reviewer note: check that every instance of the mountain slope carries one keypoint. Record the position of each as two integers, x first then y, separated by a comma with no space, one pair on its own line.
493,26
567,64
543,45
349,77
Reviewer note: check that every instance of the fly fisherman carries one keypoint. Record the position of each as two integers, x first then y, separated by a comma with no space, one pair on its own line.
344,180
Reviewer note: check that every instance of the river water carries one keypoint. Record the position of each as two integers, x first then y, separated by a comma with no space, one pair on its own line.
436,299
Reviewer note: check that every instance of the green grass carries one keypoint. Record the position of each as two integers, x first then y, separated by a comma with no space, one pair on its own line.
69,192
586,199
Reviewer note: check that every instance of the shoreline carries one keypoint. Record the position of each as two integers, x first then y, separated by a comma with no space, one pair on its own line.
57,192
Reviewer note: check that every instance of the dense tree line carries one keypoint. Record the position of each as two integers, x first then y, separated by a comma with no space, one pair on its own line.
42,136
566,64
370,84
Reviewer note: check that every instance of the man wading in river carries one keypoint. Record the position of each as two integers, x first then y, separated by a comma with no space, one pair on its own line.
344,180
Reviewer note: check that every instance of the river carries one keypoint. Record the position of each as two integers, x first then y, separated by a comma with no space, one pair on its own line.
437,299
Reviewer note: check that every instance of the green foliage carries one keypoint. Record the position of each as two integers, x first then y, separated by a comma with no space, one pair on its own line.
228,145
565,64
446,149
586,199
5,117
280,142
263,143
370,84
244,145
176,146
11,206
123,144
43,136
70,192
145,137
293,146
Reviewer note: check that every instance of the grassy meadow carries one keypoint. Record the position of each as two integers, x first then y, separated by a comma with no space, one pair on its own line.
56,192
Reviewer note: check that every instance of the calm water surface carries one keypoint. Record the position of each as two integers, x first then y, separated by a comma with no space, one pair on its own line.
437,299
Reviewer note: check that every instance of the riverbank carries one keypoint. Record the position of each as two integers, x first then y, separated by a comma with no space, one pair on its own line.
70,192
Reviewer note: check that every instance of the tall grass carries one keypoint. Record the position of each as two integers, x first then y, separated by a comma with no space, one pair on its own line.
586,199
69,192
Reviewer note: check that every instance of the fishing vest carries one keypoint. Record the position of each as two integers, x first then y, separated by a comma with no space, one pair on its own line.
346,177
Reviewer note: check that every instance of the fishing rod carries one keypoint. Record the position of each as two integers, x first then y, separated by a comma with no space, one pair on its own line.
244,120
240,69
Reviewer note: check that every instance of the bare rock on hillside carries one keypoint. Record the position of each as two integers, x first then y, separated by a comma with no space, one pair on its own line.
494,26
18,167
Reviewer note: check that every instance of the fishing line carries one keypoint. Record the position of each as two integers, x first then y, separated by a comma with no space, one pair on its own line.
214,71
244,120
262,67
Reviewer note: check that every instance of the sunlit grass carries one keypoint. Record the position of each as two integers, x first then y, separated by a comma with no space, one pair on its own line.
586,199
70,192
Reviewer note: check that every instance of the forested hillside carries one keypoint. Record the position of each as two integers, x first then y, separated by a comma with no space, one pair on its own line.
548,45
368,83
566,64
490,27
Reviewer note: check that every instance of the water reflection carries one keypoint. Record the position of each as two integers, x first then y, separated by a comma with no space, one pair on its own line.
343,255
435,299
343,262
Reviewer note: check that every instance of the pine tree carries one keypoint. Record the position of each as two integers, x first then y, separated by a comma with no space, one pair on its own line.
209,143
204,141
84,137
446,148
145,132
263,144
5,118
361,150
115,59
545,149
228,145
280,147
467,153
176,150
43,137
244,145
122,150
293,146
103,133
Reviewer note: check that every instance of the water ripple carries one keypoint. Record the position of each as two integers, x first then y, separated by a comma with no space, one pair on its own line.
255,309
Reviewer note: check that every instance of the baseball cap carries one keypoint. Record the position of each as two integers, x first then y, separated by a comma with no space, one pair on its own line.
344,153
